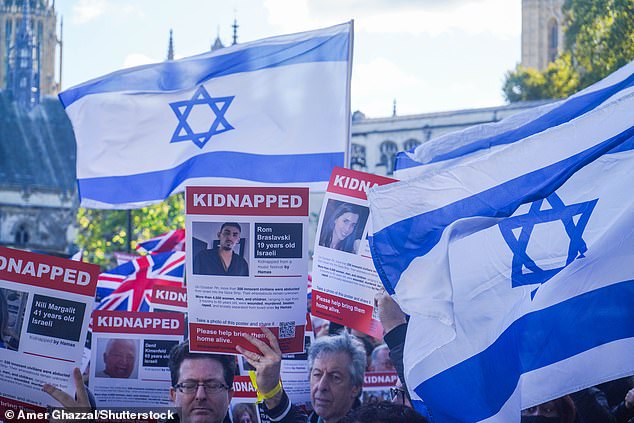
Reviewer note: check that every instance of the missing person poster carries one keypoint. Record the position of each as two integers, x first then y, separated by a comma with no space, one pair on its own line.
377,386
243,407
247,266
45,305
167,297
344,278
133,348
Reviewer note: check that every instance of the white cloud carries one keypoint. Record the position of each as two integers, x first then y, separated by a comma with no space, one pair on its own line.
499,17
131,10
137,59
376,84
87,10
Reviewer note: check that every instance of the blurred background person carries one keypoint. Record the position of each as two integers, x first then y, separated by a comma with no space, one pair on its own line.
380,360
560,410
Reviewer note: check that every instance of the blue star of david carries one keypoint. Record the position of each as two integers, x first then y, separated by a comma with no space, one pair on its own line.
518,245
201,98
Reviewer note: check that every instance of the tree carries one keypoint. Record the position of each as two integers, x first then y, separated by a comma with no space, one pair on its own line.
599,39
524,84
599,36
104,232
560,79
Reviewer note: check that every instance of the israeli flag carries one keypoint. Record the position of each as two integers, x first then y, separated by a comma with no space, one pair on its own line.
515,262
441,151
273,111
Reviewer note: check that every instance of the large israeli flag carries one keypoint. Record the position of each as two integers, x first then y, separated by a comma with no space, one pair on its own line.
515,262
441,151
273,111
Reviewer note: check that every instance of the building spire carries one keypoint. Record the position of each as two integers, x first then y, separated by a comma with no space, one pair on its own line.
394,108
61,49
235,31
217,43
170,47
23,77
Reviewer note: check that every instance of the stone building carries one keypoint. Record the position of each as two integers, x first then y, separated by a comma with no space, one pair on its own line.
542,32
375,141
38,200
40,19
37,147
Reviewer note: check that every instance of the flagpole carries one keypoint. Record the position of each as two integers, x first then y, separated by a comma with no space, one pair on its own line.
129,237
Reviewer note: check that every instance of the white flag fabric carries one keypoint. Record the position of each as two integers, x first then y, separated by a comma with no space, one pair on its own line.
515,264
273,111
441,151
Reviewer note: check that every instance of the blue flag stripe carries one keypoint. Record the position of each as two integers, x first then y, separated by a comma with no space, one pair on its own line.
480,385
571,109
417,235
186,74
254,167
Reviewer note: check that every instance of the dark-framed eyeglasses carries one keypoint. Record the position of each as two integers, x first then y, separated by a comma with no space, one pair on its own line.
397,395
190,387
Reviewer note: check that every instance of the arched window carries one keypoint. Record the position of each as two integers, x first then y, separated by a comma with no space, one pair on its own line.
388,150
553,40
410,144
21,235
357,157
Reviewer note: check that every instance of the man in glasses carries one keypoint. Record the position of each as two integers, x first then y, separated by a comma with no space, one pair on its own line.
201,385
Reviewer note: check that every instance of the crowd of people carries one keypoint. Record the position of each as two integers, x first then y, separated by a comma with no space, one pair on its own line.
202,384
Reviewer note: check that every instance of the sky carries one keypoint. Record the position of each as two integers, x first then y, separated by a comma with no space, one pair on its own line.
427,55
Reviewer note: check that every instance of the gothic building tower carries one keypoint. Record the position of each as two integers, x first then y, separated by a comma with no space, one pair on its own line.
28,43
542,32
38,200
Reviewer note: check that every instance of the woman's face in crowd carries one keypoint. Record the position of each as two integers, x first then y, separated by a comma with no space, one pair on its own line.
344,226
547,409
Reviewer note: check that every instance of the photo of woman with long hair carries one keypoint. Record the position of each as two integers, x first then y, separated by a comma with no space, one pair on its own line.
343,226
244,413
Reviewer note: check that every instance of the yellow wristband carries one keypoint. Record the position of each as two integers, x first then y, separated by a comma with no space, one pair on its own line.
266,395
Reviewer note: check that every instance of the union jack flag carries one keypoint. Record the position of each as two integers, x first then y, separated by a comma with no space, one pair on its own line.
171,241
129,286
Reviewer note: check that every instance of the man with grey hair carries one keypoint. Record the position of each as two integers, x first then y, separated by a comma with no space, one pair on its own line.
380,359
336,369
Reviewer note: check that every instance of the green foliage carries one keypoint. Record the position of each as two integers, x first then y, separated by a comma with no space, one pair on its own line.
599,36
524,84
104,232
559,80
599,39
